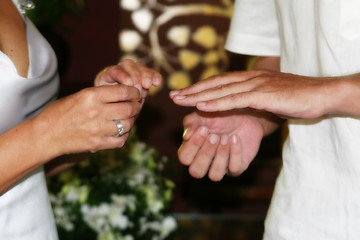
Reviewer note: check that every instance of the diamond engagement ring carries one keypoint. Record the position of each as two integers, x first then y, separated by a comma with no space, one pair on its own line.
120,128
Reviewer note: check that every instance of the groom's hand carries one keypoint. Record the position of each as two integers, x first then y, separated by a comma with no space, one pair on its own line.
219,143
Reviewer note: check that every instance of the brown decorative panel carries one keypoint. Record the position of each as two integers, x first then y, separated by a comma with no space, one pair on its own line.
183,40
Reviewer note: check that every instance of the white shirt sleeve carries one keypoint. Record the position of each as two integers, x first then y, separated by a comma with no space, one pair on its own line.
254,28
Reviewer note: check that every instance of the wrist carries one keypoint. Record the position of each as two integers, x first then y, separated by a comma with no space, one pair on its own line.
341,93
41,130
269,122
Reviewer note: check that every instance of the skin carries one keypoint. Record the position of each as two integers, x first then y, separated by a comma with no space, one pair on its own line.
13,41
129,73
239,133
263,95
79,123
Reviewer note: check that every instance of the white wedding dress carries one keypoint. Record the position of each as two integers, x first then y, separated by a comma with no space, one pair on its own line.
25,211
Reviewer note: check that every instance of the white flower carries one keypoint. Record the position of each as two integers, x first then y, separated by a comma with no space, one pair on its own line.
103,209
129,40
68,226
72,194
145,226
119,221
167,226
108,235
63,218
59,211
155,205
95,217
130,5
125,201
142,19
75,193
128,237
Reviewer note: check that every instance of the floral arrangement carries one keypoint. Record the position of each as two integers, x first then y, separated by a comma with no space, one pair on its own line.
117,194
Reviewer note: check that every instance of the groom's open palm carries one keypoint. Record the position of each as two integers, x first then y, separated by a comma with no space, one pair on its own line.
219,143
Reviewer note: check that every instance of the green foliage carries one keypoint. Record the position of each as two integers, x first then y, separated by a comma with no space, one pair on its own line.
114,194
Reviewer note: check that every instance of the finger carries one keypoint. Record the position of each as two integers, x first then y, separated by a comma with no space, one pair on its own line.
251,100
214,82
118,93
114,142
110,129
188,132
190,123
149,76
200,86
157,79
113,75
219,165
189,149
212,93
236,165
122,110
127,124
202,161
132,69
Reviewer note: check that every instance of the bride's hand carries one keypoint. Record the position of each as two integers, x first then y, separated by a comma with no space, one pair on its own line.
84,121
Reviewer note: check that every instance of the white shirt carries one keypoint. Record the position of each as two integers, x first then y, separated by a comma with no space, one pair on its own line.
317,194
25,211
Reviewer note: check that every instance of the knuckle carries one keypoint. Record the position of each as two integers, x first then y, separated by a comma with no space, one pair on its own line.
128,110
259,72
93,113
89,95
234,97
127,62
123,91
134,109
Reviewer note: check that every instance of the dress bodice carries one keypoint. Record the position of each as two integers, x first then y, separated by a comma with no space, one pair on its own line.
25,211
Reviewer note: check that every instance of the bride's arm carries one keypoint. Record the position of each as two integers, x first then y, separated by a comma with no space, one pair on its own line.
82,122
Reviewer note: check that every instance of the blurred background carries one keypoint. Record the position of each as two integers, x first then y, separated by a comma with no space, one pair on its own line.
184,40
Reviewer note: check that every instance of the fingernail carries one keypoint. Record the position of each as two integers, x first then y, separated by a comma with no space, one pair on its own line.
203,131
128,81
173,93
139,88
180,97
147,82
224,140
234,139
213,138
156,82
